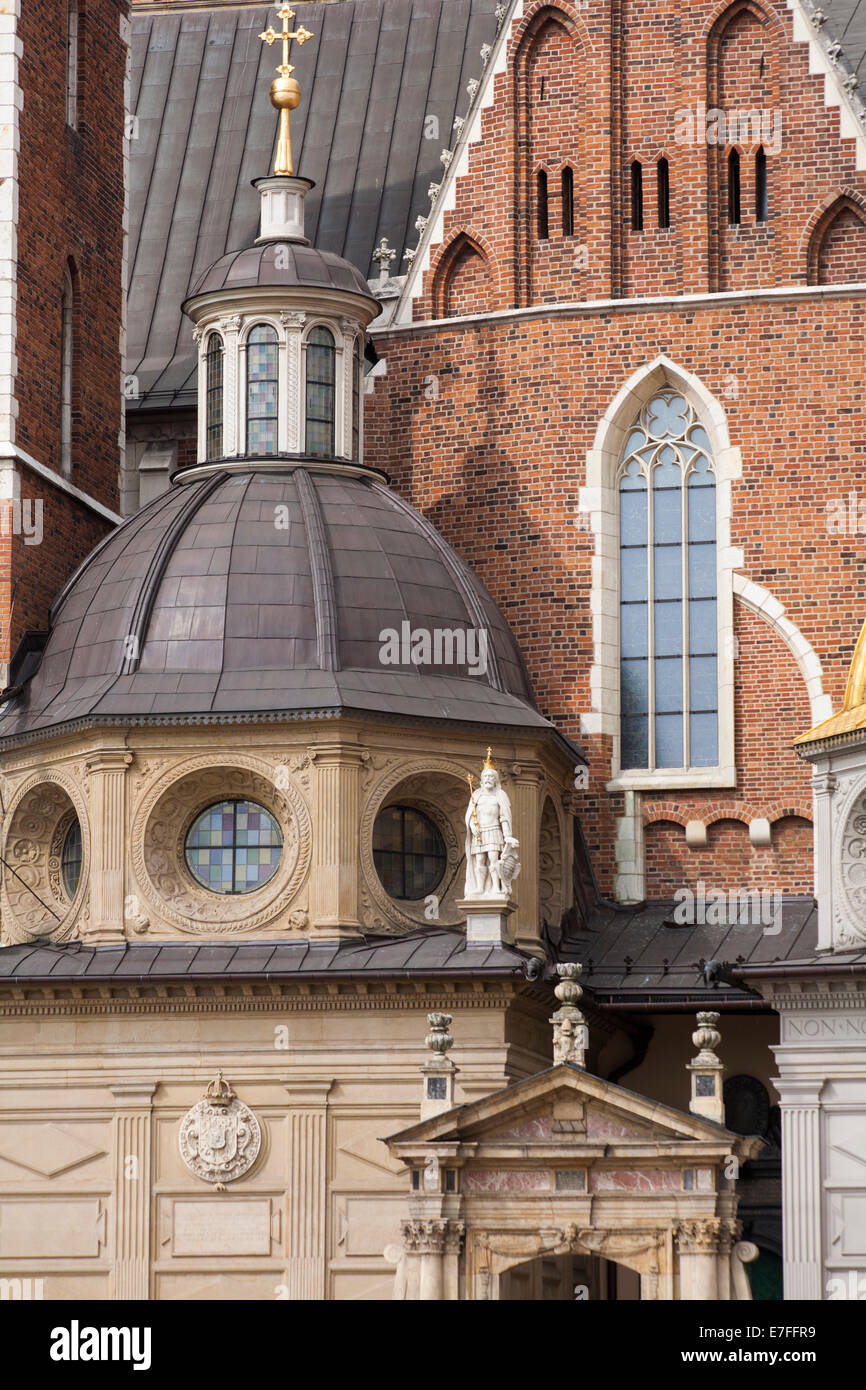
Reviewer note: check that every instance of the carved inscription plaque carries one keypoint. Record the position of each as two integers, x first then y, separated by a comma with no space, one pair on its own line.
222,1227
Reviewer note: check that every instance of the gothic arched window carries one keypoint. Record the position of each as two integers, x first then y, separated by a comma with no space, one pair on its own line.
262,390
668,591
568,201
321,393
762,199
542,229
663,188
214,388
67,365
637,196
734,208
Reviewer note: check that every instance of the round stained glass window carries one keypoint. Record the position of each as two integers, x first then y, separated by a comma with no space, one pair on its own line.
70,859
233,847
409,853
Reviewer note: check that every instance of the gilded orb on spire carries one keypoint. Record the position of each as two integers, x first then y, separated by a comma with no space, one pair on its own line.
285,92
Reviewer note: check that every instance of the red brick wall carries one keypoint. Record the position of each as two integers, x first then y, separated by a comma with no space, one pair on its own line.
497,459
633,79
70,213
842,250
467,289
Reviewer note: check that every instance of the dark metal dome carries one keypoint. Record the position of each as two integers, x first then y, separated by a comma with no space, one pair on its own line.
264,593
281,264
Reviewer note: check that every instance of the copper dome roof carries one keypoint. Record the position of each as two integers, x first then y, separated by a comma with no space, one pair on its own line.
263,593
281,264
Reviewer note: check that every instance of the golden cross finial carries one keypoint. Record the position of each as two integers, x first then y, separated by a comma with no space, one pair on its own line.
300,35
285,92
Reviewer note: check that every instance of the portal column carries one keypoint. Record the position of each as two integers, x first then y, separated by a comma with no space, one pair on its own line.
130,1275
698,1248
106,773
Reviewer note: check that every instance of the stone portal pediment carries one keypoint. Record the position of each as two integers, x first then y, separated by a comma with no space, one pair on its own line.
567,1105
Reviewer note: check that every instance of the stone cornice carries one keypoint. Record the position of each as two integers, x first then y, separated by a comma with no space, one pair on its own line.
816,1001
22,1001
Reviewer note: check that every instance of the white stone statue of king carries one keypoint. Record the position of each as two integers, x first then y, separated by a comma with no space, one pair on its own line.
492,863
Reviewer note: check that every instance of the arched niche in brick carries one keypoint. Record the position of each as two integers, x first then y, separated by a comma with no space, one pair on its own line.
549,78
463,282
837,244
743,111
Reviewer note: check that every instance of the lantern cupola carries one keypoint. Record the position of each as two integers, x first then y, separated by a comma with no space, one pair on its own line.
280,325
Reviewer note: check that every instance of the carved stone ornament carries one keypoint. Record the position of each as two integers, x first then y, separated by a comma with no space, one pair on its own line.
163,816
220,1137
851,924
698,1237
34,899
380,777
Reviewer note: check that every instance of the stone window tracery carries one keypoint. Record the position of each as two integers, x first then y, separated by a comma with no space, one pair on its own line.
669,704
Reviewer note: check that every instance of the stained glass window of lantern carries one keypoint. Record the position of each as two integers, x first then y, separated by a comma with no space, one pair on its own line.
234,847
357,388
214,386
70,859
409,853
669,706
321,393
262,390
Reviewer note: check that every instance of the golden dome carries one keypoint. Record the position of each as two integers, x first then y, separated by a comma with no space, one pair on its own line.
852,715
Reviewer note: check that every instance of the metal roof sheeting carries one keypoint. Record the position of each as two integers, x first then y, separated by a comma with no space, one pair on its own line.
426,952
376,71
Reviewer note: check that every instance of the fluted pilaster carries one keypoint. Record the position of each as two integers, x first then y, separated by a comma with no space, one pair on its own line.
527,781
801,1192
336,814
308,1194
130,1279
106,774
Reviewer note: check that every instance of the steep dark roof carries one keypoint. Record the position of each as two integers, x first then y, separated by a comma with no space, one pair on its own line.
844,24
429,952
375,73
202,605
635,957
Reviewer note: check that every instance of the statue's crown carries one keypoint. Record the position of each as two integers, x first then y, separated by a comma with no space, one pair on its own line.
489,764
